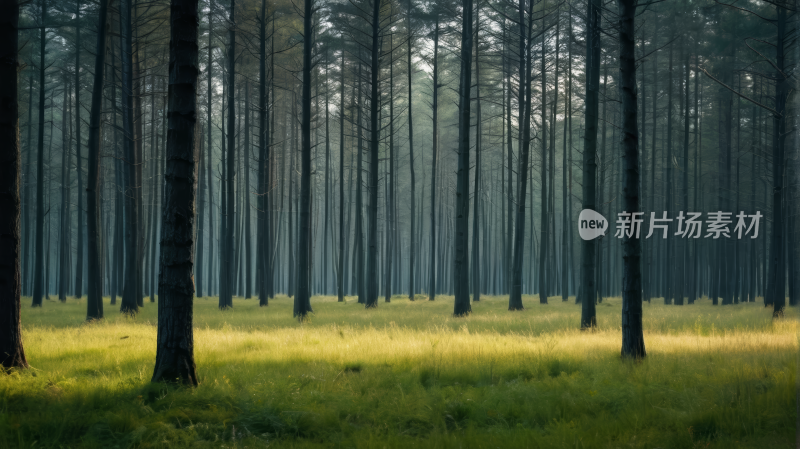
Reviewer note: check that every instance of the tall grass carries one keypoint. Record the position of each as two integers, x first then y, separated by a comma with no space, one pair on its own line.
407,374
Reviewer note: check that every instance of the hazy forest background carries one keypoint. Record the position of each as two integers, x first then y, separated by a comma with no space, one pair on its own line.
702,148
220,167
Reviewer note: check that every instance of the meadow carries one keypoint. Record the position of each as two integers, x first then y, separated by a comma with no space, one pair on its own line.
407,374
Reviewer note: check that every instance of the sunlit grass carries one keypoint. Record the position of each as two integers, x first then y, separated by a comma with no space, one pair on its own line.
408,374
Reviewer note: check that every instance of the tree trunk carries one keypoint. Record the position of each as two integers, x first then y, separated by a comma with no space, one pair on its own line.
302,300
11,350
374,109
226,297
38,275
340,271
79,157
587,285
434,157
476,272
515,297
461,257
412,217
632,337
94,299
175,341
130,302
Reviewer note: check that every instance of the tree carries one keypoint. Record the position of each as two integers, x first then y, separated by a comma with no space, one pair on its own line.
587,286
412,217
175,347
94,299
632,337
515,298
38,271
133,278
11,350
226,293
302,299
461,260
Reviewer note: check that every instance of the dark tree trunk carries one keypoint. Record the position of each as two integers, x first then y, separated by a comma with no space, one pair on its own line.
130,301
776,282
38,271
264,214
175,341
11,350
632,338
434,157
515,297
79,158
302,299
476,272
342,229
461,257
94,299
587,286
210,170
226,296
374,109
246,156
412,217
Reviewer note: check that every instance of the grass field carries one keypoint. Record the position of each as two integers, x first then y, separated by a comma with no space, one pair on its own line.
408,375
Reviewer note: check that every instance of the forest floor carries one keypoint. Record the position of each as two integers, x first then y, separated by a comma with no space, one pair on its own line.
407,374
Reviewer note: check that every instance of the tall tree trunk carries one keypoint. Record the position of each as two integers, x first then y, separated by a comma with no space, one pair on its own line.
776,282
340,271
587,285
515,297
544,240
434,157
461,257
130,302
175,341
264,213
210,169
230,201
38,275
302,300
247,266
476,272
632,337
11,351
374,109
79,158
412,217
94,298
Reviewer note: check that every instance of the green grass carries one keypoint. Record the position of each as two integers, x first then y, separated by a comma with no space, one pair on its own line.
408,375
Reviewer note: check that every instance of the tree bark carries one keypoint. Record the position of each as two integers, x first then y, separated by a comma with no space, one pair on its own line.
632,337
302,299
12,352
462,305
94,299
175,341
587,286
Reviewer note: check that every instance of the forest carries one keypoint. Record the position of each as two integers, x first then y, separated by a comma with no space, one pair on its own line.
399,223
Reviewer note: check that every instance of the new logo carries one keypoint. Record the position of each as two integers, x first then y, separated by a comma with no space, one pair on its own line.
591,224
